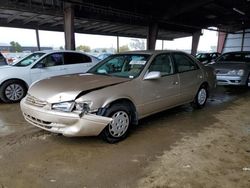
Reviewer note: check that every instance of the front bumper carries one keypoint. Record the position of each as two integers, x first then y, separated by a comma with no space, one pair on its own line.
66,123
231,80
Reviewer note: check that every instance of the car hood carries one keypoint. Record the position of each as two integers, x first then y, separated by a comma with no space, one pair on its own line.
229,65
6,67
67,88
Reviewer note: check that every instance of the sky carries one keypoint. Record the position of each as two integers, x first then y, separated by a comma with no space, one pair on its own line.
27,37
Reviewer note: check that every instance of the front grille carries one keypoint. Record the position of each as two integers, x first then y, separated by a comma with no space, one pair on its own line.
34,101
37,122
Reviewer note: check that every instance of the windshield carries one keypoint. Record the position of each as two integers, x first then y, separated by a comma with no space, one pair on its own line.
234,57
121,65
202,56
29,59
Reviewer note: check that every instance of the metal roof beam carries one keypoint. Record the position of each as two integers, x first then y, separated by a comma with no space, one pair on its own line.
12,18
30,19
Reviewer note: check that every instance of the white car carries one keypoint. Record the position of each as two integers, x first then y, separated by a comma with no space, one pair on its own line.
15,79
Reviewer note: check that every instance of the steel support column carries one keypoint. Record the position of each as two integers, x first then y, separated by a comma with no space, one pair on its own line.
69,26
38,40
152,36
195,42
243,39
118,45
221,41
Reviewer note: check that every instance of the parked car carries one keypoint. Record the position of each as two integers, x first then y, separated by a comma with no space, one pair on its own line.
207,57
103,56
16,78
232,68
117,92
3,60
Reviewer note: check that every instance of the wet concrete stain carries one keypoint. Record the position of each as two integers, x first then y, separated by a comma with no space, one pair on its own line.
30,156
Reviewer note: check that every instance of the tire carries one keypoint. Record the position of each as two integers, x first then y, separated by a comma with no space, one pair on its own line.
118,129
200,98
12,91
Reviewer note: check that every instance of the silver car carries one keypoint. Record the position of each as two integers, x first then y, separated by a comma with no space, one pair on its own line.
116,93
232,68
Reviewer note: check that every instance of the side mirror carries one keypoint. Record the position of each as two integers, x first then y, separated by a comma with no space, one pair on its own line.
152,75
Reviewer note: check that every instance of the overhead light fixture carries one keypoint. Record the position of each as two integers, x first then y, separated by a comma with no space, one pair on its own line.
239,11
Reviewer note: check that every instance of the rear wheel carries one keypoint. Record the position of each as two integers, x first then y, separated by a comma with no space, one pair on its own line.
118,128
200,98
12,91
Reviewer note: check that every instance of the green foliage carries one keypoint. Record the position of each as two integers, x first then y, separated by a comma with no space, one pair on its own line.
15,47
83,48
124,48
61,48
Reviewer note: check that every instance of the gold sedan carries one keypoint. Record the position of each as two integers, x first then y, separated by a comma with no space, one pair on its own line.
117,92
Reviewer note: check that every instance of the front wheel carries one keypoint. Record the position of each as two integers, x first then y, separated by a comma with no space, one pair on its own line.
118,128
200,98
12,91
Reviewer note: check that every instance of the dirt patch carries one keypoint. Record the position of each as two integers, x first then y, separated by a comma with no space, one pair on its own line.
217,157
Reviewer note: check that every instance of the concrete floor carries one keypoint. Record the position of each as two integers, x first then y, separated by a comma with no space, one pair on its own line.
30,157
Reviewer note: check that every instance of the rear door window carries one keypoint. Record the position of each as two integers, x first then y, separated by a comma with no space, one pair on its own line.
75,58
184,63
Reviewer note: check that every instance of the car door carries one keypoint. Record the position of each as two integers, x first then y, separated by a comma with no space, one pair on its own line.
77,62
50,65
162,93
190,76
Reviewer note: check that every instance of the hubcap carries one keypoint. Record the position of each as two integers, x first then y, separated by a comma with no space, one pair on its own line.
119,124
14,92
202,96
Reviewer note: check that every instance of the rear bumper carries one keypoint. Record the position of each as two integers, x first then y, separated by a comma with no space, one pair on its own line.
66,123
231,80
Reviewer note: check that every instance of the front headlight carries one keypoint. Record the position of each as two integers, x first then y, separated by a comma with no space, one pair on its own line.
240,72
236,72
64,106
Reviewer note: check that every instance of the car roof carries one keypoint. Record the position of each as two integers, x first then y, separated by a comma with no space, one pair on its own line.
57,51
151,52
237,52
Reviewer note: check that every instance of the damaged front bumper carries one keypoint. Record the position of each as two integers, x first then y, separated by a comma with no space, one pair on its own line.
67,123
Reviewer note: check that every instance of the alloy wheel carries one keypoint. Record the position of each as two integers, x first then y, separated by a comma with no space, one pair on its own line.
14,92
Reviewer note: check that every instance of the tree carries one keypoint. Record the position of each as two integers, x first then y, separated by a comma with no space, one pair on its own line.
61,48
83,48
15,47
137,44
124,48
104,50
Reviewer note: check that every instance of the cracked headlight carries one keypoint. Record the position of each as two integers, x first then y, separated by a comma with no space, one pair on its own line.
63,106
83,107
236,72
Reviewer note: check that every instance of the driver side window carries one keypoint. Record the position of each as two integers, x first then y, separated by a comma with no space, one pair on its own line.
51,60
163,64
